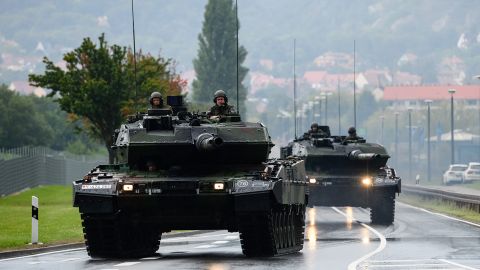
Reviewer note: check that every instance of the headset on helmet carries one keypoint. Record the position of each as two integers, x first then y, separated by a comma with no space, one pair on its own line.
219,93
352,130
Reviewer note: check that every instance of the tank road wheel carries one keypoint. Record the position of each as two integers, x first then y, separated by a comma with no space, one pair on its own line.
299,221
279,231
115,236
382,211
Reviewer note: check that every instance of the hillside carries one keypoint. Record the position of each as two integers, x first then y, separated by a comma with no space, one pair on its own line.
384,31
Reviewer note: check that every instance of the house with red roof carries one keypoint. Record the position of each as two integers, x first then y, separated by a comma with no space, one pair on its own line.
414,96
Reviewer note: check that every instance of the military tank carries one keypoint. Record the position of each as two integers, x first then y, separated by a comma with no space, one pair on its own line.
346,172
175,170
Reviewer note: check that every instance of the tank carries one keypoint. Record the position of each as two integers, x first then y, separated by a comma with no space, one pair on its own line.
347,173
175,170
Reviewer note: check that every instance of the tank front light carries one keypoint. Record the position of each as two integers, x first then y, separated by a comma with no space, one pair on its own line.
313,180
218,186
367,181
127,187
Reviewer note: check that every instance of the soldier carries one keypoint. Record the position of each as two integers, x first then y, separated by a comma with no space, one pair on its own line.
352,134
221,106
314,128
156,100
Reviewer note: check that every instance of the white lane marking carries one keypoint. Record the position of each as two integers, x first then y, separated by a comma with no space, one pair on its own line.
71,259
192,238
458,265
442,215
206,246
383,242
40,254
232,237
220,242
37,262
396,261
127,264
150,258
415,266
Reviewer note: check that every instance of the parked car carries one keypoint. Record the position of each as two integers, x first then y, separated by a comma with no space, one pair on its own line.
454,174
472,173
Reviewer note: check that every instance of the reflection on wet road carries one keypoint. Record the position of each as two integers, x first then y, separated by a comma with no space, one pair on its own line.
335,238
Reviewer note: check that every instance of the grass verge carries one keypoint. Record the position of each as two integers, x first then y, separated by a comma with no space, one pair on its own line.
59,221
438,206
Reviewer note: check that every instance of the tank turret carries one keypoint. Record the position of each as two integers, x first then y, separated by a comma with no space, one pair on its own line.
176,170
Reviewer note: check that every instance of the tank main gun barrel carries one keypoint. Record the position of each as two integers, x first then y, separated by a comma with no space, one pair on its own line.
359,155
208,142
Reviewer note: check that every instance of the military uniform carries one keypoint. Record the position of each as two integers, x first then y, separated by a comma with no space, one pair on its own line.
221,110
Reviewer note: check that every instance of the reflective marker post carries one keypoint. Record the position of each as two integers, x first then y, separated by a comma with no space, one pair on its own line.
34,220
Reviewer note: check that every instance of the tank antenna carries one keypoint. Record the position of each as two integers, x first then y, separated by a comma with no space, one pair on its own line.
134,57
354,92
236,22
294,91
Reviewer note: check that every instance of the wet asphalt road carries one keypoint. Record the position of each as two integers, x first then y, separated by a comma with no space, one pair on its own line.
335,238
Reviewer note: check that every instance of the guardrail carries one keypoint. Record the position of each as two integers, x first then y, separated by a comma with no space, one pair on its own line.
467,201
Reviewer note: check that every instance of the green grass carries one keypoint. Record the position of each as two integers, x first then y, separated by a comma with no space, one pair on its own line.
438,206
59,221
474,185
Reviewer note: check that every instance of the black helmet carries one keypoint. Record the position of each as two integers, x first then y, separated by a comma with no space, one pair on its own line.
219,93
314,125
155,95
352,130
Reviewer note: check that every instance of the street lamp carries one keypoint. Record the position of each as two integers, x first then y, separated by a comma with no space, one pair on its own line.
381,133
452,139
409,144
316,106
325,95
478,105
429,171
396,139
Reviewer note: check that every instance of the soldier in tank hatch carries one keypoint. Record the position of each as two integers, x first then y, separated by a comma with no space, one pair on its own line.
221,106
352,134
156,101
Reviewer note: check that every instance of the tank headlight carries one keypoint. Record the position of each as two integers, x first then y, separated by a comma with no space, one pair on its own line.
313,180
127,187
367,181
218,186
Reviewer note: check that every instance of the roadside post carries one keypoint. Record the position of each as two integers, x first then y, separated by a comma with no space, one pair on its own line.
34,220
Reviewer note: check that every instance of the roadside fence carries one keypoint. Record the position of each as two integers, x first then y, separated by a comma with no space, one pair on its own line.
27,167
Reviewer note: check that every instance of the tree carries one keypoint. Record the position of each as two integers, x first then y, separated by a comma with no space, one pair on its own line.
20,122
216,62
98,85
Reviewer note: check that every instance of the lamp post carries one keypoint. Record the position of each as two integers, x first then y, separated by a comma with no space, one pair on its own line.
409,143
381,132
478,105
452,139
311,107
429,171
396,139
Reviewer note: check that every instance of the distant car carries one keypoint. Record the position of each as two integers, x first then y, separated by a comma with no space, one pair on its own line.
472,173
454,174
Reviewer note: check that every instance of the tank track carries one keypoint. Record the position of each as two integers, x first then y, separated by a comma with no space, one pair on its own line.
116,236
382,212
279,231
